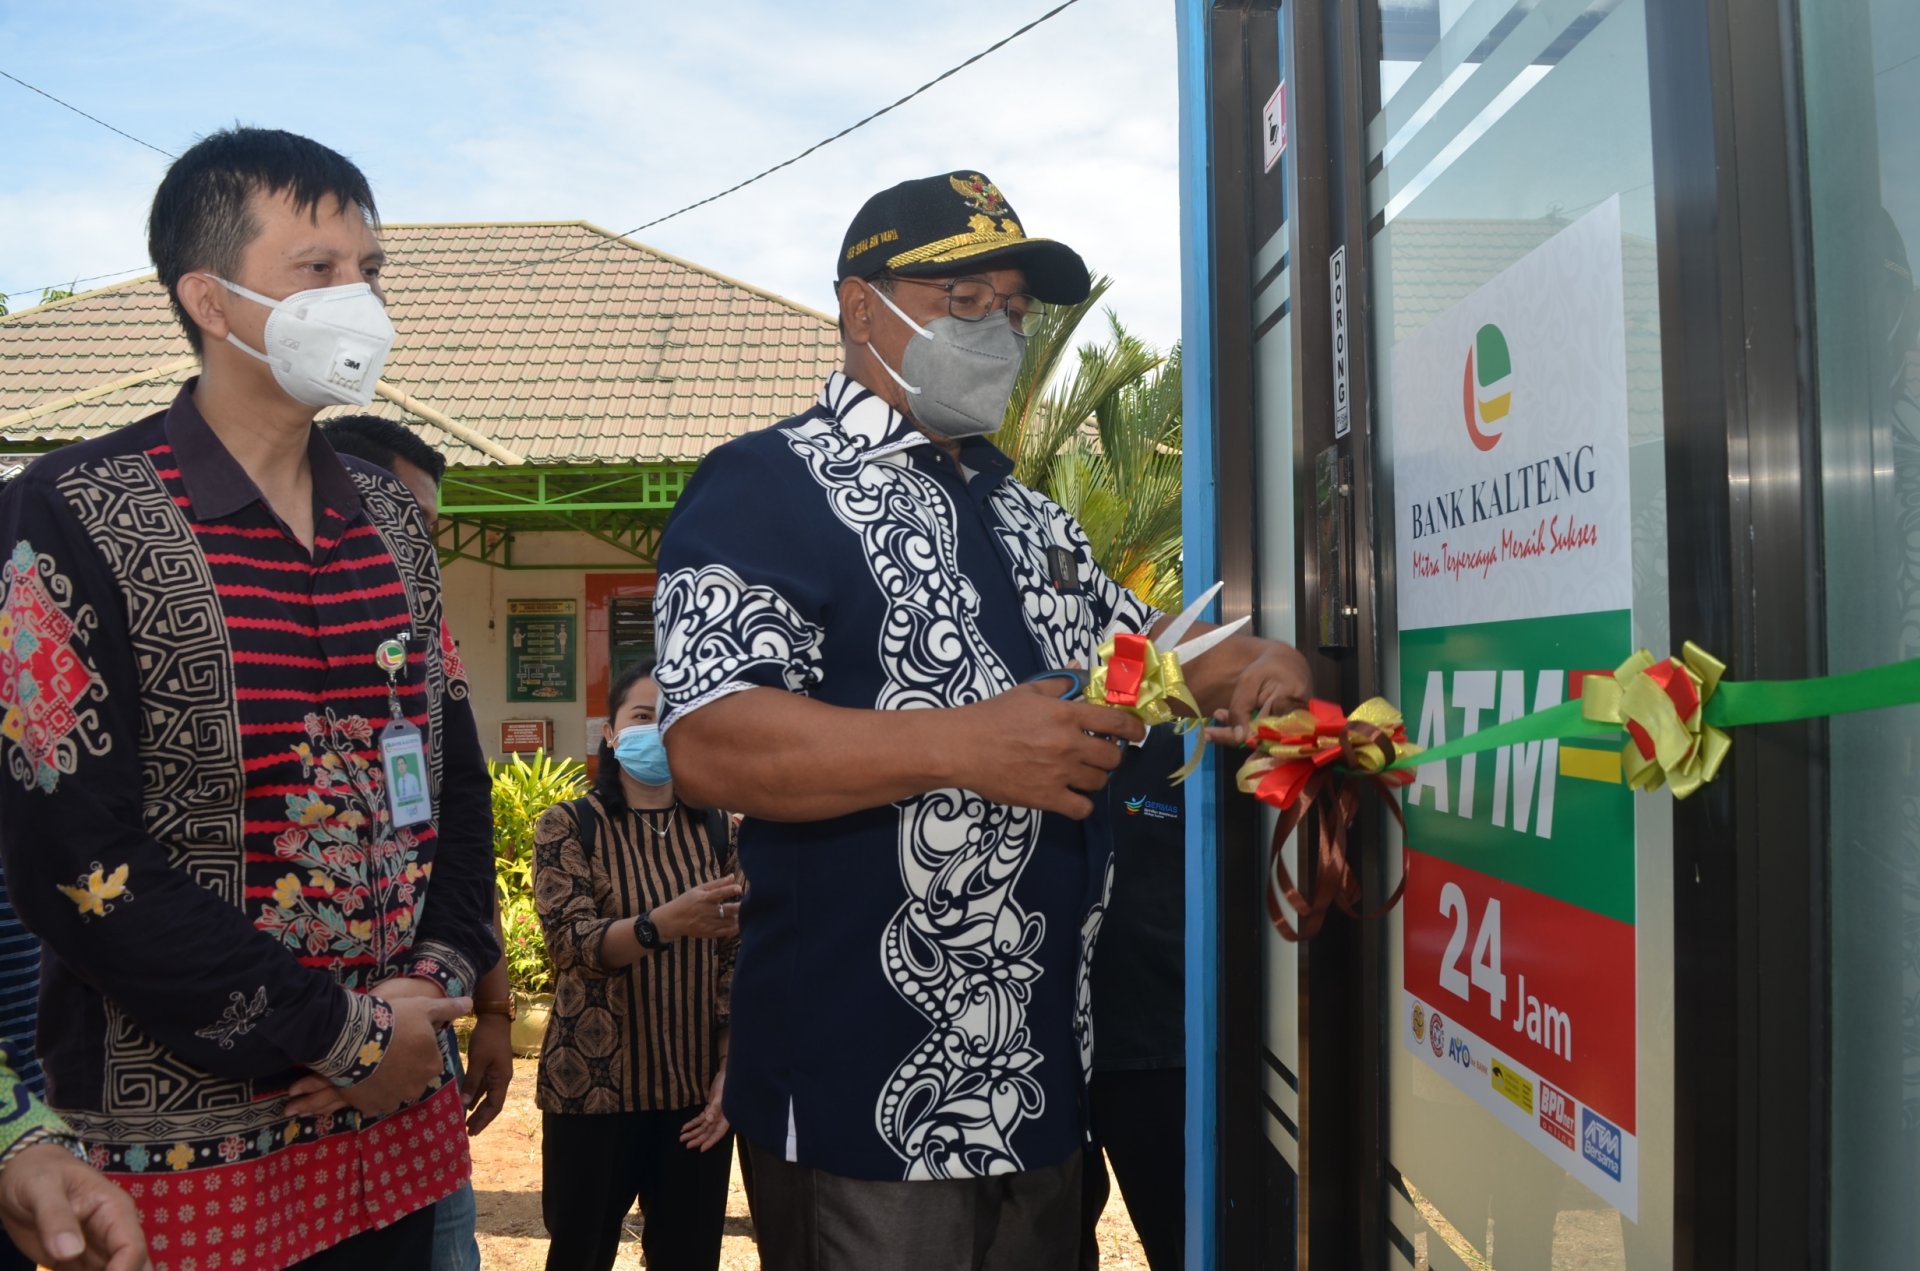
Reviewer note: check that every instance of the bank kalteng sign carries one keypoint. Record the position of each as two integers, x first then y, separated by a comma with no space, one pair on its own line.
1515,583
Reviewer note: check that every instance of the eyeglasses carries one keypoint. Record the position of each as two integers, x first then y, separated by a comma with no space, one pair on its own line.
971,299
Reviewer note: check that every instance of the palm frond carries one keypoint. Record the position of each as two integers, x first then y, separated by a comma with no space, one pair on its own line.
1099,433
1049,341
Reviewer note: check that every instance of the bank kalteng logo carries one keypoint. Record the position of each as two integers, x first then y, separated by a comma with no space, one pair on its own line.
1437,1035
1600,1142
1486,390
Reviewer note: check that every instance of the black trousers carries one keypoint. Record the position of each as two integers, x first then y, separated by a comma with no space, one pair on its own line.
1139,1122
594,1166
406,1243
809,1220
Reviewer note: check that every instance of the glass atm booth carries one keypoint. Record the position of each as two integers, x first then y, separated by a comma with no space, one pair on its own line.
1519,335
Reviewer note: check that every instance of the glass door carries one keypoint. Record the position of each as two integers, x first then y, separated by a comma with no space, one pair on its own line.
1861,77
1520,516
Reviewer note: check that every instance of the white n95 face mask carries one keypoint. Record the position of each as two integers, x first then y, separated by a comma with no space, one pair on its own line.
326,346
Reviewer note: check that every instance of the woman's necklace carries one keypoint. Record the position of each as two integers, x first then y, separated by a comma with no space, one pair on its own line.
646,819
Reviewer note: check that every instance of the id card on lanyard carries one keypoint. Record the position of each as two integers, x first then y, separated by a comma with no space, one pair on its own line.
403,748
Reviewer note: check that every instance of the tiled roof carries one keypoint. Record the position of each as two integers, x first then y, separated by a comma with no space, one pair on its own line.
612,351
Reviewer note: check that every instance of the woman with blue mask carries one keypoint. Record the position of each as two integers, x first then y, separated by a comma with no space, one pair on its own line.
641,913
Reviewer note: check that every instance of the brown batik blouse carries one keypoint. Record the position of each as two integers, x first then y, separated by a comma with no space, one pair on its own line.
636,1038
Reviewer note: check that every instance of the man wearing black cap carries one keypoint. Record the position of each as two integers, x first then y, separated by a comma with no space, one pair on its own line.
849,606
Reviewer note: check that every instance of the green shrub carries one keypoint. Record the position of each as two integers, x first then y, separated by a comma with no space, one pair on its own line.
522,791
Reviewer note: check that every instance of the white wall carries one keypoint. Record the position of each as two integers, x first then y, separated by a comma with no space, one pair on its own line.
476,600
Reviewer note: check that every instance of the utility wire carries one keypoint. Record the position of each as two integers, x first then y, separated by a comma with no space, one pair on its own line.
528,265
73,282
40,291
84,115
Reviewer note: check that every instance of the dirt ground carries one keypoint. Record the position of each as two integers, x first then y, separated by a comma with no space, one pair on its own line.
506,1183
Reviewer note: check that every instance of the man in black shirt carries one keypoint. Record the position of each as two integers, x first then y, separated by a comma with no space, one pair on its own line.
1137,1094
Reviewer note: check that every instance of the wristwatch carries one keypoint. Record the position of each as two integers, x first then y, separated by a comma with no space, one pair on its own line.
646,934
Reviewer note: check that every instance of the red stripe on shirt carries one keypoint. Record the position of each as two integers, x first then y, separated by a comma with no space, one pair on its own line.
338,565
248,591
372,692
321,631
248,657
236,531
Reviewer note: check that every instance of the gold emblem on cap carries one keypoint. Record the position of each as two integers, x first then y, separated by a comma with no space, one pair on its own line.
983,234
983,194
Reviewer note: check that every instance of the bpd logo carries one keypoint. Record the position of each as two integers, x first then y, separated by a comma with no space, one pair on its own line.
1600,1142
1436,1035
1556,1113
1486,391
1419,1022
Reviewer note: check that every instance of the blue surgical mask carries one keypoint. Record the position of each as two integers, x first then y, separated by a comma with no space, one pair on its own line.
642,755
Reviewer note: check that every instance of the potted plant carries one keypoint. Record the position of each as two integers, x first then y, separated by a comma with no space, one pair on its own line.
522,791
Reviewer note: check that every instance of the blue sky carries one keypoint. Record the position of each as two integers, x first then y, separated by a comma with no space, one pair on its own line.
613,113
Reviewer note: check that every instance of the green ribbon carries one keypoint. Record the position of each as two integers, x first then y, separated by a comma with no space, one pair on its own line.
1736,703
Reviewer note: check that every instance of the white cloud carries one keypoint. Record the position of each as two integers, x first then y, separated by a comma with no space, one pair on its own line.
87,220
616,112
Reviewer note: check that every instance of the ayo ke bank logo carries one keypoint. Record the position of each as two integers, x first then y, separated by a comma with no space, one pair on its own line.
1486,390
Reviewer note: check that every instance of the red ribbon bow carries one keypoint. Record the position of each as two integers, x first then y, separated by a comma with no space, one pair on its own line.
1294,767
1127,668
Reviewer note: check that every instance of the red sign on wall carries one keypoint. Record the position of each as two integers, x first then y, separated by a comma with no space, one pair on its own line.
524,736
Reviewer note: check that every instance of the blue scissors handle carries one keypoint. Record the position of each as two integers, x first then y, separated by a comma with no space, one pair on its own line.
1076,681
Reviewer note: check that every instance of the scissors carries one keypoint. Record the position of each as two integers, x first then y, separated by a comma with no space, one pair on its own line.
1076,677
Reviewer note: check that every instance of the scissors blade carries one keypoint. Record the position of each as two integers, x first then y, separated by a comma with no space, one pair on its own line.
1178,628
1193,648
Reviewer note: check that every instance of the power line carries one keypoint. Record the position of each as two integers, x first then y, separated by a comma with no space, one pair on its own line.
84,115
72,282
40,291
525,266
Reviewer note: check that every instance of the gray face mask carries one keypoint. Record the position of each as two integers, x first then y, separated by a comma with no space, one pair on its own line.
961,373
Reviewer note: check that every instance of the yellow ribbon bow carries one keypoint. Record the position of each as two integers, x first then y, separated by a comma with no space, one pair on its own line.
1662,705
1320,753
1133,676
1289,749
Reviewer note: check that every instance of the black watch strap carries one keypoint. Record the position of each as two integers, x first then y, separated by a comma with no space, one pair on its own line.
645,932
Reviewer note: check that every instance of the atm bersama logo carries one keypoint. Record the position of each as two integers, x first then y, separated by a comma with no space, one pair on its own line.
1486,390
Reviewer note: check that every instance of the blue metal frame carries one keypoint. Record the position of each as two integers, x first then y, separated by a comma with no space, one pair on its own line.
1200,563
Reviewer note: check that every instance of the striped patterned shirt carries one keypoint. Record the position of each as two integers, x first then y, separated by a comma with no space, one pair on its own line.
194,820
19,992
637,1038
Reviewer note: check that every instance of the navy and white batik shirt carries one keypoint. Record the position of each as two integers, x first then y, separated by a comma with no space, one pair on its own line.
911,997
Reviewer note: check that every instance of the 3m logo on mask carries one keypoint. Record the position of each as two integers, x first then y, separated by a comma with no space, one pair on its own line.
349,369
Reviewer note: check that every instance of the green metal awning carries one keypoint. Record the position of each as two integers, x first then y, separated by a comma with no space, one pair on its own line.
622,505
